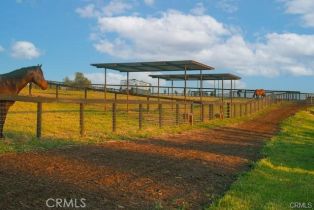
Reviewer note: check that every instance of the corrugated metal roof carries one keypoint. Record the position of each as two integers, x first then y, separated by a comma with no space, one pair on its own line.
155,66
197,76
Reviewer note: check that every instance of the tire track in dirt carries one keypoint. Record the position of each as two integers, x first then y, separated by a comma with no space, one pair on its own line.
189,169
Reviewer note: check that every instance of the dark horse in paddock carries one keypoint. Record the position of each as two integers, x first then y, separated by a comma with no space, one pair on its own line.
259,93
12,83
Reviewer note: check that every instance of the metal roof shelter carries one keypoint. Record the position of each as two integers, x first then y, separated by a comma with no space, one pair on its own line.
154,66
177,77
199,77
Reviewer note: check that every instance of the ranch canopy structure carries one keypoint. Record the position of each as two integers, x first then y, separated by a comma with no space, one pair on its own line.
199,77
155,66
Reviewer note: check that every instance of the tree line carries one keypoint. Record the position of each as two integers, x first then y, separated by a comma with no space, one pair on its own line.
79,80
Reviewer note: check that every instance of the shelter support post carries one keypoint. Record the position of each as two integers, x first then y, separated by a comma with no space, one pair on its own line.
231,97
172,94
201,86
127,92
158,88
222,97
185,78
105,88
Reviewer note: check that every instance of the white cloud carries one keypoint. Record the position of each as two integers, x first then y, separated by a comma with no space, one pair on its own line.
114,7
229,6
199,9
24,50
88,11
156,37
1,49
149,2
98,78
174,35
304,8
115,78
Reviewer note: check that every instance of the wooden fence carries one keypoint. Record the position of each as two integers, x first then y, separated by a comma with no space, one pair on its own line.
182,109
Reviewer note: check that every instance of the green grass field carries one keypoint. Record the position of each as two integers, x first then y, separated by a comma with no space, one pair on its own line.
284,179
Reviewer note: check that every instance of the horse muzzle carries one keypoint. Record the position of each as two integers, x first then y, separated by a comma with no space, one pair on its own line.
44,85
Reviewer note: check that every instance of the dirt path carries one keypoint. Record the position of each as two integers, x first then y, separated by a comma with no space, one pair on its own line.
186,170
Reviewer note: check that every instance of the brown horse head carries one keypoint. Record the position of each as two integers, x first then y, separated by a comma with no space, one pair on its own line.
38,78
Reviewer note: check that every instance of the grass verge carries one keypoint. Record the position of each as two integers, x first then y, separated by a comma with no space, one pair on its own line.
284,179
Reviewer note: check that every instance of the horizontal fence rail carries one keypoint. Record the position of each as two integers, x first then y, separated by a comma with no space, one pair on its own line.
166,92
147,112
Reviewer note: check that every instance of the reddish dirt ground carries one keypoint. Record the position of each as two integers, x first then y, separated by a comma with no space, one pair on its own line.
183,170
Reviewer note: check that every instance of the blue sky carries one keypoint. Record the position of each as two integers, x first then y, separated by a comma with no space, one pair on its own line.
269,43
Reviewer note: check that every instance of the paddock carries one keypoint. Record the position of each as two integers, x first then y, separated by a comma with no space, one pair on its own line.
137,151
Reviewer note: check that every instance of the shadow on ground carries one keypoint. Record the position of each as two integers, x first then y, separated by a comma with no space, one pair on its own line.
184,170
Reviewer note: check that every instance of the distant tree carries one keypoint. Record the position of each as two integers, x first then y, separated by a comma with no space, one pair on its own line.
79,80
67,81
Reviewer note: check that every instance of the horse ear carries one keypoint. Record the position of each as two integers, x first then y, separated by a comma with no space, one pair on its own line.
40,65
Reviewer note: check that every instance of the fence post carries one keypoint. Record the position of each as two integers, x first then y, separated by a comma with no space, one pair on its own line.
246,109
160,115
147,106
250,108
30,88
210,111
234,110
202,112
241,110
140,116
192,108
82,130
57,91
256,106
177,114
222,111
39,119
114,117
85,93
228,110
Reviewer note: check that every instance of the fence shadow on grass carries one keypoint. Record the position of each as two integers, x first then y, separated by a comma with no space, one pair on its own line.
135,175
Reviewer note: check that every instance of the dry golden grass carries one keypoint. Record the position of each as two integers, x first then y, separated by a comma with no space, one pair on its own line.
61,121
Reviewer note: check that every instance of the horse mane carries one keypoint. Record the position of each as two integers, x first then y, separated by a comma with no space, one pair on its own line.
19,72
